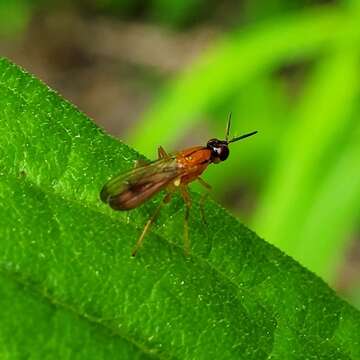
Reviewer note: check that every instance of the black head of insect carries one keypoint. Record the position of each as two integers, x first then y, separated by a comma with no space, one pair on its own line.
220,148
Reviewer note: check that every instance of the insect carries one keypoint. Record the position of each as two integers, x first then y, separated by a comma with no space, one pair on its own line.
169,172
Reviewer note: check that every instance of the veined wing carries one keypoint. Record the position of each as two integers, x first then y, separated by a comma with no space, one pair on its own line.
130,189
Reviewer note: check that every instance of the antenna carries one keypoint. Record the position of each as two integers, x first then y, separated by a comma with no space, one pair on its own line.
241,137
236,138
228,127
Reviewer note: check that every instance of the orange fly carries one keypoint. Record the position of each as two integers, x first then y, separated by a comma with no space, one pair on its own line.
169,172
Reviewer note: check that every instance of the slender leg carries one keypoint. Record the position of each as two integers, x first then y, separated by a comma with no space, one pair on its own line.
140,163
204,183
162,153
140,241
203,198
187,199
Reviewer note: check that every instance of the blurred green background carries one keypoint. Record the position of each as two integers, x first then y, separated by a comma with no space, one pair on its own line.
169,72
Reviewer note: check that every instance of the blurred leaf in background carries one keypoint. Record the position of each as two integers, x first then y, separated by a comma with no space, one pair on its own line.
14,16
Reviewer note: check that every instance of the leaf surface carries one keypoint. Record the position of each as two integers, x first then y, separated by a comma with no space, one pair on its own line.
68,280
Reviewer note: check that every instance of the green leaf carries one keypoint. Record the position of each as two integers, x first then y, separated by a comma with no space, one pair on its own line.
68,280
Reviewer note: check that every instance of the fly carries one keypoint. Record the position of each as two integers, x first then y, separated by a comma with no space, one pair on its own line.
169,172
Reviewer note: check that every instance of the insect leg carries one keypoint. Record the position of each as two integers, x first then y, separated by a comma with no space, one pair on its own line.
162,153
204,183
187,199
140,163
203,198
140,241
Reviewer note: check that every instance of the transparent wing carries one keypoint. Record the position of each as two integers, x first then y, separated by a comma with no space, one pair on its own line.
130,189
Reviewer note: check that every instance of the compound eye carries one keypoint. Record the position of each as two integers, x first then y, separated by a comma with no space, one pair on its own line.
219,150
223,152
